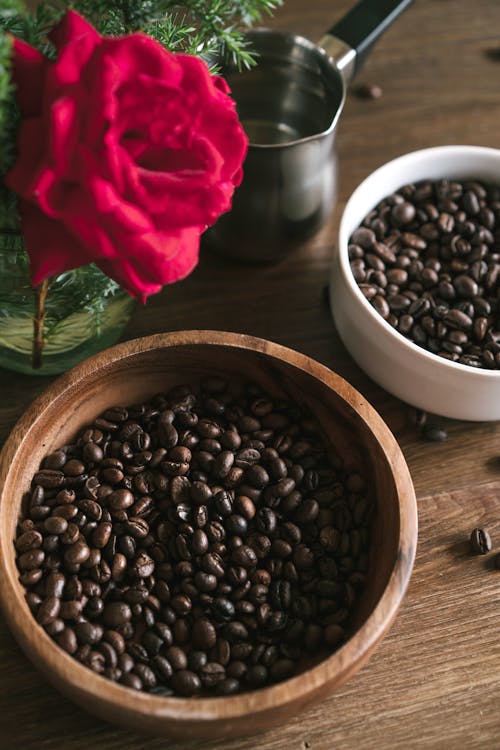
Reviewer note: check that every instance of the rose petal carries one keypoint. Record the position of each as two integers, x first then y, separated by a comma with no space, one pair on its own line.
63,134
138,52
28,72
50,247
76,40
158,259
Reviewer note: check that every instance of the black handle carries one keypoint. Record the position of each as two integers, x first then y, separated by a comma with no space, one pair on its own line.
365,23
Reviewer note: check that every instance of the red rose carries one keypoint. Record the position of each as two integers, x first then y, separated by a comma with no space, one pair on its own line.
126,153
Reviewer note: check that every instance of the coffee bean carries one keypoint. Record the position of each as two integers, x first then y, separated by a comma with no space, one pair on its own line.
244,556
31,559
204,635
29,540
88,632
333,634
55,525
48,610
132,681
451,283
116,614
163,667
186,683
480,541
187,547
55,460
143,565
76,553
367,91
120,499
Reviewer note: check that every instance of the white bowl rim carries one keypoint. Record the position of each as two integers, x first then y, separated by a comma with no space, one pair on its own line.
407,160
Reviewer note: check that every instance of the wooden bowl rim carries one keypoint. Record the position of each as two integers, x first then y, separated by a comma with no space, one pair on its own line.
65,669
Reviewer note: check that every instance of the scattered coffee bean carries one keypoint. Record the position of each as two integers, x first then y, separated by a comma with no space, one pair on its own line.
366,91
480,541
426,258
200,543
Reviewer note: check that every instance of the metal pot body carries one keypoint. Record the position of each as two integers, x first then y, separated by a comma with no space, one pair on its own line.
289,105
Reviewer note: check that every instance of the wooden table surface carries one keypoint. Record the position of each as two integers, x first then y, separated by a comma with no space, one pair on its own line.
435,680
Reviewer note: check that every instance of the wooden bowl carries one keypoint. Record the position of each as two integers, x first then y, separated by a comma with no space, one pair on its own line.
135,370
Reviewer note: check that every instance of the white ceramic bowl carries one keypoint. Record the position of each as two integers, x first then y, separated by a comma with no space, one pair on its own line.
411,373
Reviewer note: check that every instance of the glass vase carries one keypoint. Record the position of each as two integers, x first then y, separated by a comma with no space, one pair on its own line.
85,312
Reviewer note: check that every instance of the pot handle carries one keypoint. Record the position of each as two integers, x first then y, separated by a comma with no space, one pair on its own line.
350,40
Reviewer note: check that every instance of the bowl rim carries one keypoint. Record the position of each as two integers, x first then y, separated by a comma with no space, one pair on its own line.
63,668
407,160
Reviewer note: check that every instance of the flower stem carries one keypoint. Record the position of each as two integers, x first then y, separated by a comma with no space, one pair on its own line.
38,321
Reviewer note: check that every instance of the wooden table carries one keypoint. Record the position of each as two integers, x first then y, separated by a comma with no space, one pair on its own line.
435,680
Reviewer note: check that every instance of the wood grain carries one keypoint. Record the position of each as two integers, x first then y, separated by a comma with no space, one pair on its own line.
435,681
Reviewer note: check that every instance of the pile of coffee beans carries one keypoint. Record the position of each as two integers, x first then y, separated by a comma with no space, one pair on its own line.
428,260
206,542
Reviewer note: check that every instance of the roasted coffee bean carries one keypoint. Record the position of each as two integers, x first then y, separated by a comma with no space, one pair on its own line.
266,520
88,632
333,634
48,610
29,540
480,541
55,584
211,674
176,657
444,271
116,614
204,634
185,683
191,546
244,556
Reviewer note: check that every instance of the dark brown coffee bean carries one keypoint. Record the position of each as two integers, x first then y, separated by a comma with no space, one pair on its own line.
101,534
31,559
55,525
162,667
281,548
49,478
480,541
333,634
363,237
29,540
77,553
143,565
185,683
55,460
88,632
211,674
131,680
257,476
204,634
120,499
245,506
116,614
176,657
244,556
48,610
212,563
